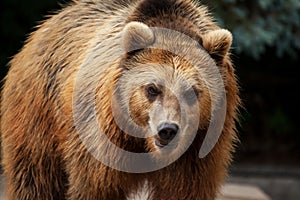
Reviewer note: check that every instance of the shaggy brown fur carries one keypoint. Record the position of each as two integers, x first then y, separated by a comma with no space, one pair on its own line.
43,156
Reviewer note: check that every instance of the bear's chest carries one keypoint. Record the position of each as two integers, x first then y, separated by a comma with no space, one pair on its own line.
143,192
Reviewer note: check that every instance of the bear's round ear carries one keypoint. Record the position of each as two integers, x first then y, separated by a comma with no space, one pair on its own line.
137,35
217,43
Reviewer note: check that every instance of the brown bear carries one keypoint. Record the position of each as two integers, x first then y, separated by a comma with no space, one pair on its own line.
108,97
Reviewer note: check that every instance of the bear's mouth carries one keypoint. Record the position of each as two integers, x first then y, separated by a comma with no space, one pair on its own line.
160,143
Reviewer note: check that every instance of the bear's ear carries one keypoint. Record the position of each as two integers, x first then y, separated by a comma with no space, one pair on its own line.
137,35
217,43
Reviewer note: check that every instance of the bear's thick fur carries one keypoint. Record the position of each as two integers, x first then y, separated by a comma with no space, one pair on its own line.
43,155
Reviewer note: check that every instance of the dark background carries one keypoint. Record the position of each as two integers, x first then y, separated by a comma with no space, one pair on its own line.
266,55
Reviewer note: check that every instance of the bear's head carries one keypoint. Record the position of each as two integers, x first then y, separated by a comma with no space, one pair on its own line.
167,84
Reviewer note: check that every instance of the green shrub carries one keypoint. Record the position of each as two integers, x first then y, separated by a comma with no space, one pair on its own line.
259,24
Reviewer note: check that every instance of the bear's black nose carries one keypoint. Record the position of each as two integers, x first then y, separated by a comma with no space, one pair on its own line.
167,131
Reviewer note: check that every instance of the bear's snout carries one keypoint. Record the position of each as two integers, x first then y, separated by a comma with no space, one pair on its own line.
166,132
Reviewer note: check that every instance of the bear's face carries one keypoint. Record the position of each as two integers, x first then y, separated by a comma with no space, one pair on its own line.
165,96
163,93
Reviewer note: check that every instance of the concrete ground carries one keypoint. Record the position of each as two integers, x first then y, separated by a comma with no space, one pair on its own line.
232,191
278,182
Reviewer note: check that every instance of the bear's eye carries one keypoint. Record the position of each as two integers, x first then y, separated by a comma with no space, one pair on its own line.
152,91
190,96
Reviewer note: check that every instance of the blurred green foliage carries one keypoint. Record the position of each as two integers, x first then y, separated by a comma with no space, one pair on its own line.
279,122
258,24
